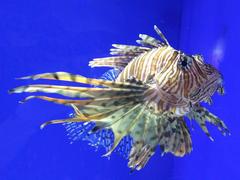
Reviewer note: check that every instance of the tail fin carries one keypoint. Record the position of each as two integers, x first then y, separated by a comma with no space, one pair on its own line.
121,107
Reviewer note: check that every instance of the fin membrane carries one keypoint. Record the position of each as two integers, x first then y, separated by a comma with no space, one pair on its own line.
99,139
111,75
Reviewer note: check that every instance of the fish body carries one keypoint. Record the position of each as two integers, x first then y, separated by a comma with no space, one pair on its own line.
153,88
174,89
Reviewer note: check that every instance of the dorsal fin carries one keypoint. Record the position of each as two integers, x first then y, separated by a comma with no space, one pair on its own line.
123,54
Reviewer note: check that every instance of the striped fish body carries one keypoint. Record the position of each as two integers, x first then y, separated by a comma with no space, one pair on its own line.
146,68
156,86
147,64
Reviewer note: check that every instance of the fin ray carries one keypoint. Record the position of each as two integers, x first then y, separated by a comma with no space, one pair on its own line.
71,91
64,76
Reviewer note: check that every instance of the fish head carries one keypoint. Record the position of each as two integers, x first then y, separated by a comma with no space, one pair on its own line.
187,78
206,80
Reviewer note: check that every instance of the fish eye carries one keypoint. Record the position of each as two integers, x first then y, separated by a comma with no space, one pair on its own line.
185,61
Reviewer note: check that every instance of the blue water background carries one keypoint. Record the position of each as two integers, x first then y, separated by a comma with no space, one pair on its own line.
48,36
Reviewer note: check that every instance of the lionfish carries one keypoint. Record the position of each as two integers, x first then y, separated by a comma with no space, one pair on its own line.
155,89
